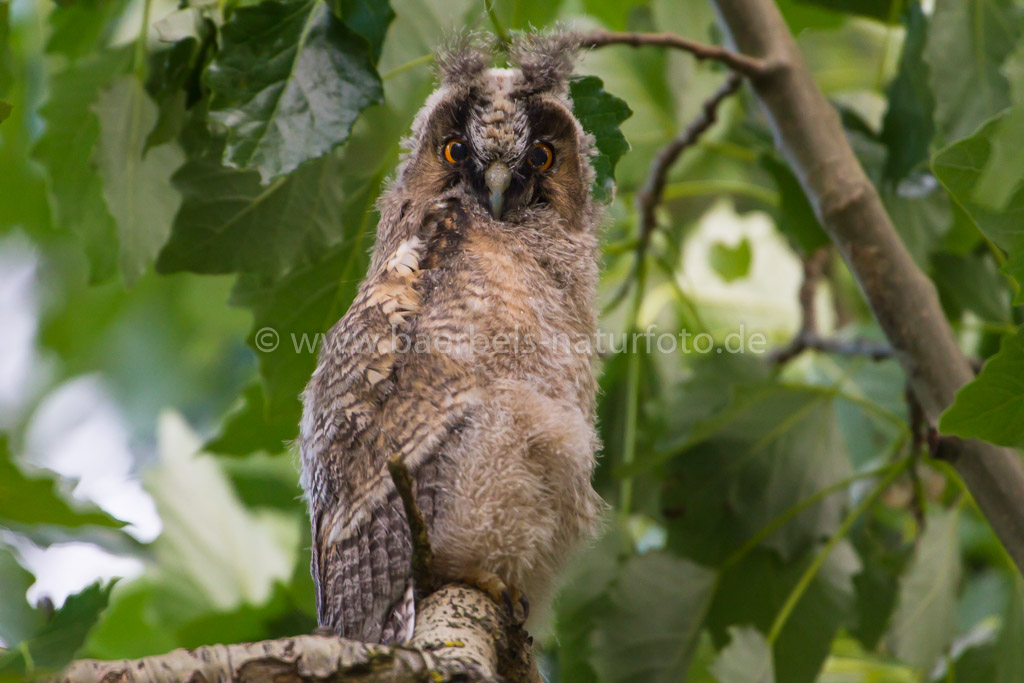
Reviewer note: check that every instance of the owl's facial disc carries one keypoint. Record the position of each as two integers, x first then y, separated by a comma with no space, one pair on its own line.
509,147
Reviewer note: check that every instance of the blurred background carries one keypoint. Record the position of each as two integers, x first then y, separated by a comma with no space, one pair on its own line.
146,438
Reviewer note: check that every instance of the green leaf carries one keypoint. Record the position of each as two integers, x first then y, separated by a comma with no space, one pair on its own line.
229,223
56,643
583,601
920,212
18,620
66,150
732,263
887,11
316,77
35,500
771,447
201,512
908,128
959,168
752,592
653,620
991,407
368,18
5,110
601,113
136,182
925,620
621,617
967,43
266,481
794,218
885,553
172,81
995,187
1009,654
747,658
248,429
308,299
297,308
972,283
79,28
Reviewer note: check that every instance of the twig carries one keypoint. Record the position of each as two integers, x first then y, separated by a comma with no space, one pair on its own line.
876,351
808,338
750,67
422,554
918,434
651,193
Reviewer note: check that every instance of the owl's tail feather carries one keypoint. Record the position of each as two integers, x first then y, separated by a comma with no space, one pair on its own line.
398,626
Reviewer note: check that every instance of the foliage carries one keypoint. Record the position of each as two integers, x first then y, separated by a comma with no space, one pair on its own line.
198,195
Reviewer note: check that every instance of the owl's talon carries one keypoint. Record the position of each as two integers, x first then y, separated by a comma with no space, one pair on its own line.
501,593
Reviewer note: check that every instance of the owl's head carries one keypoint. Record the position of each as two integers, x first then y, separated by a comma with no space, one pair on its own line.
505,137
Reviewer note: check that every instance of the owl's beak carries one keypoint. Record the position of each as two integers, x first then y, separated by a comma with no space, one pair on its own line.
497,178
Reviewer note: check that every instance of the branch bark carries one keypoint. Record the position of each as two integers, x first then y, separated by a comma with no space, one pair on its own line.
461,634
738,62
809,133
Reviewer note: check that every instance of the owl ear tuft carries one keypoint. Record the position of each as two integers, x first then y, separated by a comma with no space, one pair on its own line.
462,58
545,58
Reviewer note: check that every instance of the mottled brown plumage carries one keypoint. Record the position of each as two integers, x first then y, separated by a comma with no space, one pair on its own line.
467,351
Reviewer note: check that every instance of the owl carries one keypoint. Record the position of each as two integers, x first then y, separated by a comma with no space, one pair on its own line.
467,352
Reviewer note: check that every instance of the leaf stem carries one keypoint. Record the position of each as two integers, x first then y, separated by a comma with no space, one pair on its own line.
701,188
411,64
499,30
844,528
802,505
140,65
632,395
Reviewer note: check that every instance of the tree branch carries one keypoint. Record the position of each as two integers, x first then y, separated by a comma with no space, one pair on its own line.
808,338
650,195
461,634
740,63
809,133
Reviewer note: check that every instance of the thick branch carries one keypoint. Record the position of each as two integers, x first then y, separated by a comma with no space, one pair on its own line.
460,635
740,63
809,133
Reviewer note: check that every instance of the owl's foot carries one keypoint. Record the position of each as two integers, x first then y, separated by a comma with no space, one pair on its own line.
501,593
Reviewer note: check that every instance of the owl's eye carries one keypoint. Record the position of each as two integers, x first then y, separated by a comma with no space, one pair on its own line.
455,150
540,156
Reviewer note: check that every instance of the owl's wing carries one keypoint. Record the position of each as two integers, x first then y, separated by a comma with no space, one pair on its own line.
355,420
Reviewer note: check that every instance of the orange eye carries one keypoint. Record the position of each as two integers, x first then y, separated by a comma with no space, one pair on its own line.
455,150
540,156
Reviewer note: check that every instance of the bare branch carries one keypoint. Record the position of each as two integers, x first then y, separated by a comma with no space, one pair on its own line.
651,194
809,133
740,63
840,347
808,338
653,190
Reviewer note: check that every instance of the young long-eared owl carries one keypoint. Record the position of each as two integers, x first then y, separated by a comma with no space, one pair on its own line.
467,352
